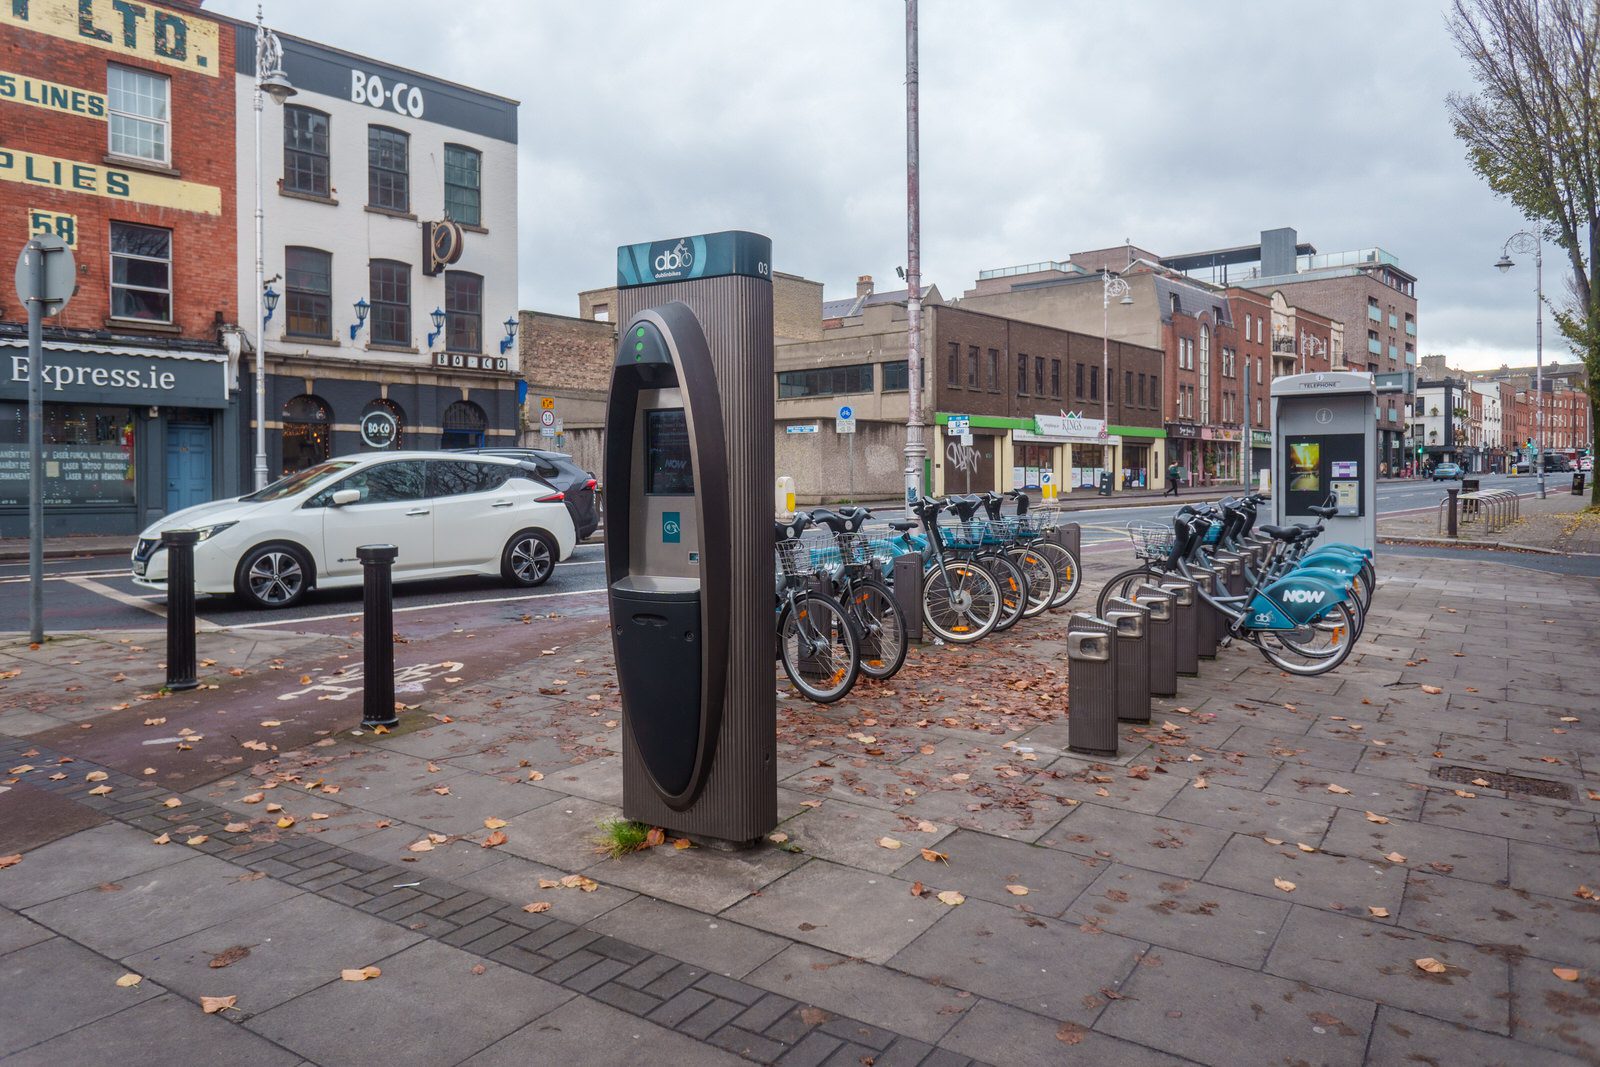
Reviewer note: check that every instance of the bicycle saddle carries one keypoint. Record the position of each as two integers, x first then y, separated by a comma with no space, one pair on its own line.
831,519
903,525
1022,500
1289,535
1326,513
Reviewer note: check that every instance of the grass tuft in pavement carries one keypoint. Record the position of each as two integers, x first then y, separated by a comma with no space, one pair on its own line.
618,837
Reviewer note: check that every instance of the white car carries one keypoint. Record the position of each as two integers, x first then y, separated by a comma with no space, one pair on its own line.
449,514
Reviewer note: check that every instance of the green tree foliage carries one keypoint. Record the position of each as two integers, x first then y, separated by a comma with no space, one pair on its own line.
1532,132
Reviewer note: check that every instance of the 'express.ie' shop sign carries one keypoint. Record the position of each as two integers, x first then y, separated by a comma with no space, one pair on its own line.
98,377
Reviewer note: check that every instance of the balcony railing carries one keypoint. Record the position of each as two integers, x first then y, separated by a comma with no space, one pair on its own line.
1393,322
1374,346
1394,352
1411,328
1373,313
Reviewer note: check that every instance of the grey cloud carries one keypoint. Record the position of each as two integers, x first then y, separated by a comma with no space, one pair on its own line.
1046,127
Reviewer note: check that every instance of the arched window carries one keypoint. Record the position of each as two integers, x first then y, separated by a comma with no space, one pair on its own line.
464,424
383,426
307,422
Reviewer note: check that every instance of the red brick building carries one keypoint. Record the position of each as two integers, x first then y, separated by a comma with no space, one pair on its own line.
117,135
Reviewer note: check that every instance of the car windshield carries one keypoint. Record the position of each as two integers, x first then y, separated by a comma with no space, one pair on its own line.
300,481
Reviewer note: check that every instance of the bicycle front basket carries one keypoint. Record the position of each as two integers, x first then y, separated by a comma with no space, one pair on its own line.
1151,540
964,534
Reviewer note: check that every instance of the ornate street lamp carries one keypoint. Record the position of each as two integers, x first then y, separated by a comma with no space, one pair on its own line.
270,81
1525,242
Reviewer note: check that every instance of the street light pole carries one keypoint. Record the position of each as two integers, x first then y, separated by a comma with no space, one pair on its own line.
1525,241
1110,285
270,79
915,449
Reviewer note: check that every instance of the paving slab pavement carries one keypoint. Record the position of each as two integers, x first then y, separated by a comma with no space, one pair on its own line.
1152,930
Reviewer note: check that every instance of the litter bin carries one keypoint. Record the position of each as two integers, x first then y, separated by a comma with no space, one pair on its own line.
1133,658
1577,483
1163,638
1471,485
1105,483
1091,685
1185,623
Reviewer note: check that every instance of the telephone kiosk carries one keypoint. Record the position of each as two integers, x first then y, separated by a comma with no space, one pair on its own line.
688,552
1325,451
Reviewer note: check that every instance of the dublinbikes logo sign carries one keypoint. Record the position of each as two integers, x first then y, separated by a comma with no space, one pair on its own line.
709,255
674,261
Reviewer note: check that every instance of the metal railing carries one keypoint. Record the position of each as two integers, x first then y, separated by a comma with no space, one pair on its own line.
1494,509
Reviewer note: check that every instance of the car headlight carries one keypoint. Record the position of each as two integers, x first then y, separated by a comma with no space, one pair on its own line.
208,532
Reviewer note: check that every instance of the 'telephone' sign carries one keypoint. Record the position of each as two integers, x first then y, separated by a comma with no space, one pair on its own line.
176,39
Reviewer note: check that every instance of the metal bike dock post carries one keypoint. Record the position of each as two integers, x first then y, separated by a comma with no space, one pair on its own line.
1231,564
1069,535
1185,624
1091,686
908,592
1208,628
1132,621
1163,638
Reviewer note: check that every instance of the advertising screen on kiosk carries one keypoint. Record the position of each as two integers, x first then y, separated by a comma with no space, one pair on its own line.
669,469
1322,466
1305,466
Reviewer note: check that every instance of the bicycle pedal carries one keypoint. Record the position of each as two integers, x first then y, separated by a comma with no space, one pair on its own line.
1225,640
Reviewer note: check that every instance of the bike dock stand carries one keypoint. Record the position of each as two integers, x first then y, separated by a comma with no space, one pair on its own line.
1163,640
908,593
1185,624
1069,535
1133,658
1091,686
1209,624
1231,564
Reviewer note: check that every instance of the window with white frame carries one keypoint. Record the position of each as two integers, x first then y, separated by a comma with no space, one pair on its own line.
141,272
139,114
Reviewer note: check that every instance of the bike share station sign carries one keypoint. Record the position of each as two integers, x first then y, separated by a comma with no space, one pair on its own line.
1325,433
688,471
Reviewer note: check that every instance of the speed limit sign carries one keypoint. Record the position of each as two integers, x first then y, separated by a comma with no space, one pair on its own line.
547,417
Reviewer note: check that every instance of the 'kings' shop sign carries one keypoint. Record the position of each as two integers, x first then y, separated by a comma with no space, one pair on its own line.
172,38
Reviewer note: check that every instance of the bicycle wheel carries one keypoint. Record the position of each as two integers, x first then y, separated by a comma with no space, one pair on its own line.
820,652
883,629
1013,588
1068,575
960,603
1314,649
1041,577
1124,583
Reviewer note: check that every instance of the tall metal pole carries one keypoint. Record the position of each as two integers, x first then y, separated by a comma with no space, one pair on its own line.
1248,442
261,311
916,450
1105,364
1538,363
36,254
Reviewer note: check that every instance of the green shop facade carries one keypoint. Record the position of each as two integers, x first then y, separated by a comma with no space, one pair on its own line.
1047,455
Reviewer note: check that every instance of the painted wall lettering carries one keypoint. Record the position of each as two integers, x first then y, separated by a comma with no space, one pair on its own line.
22,89
29,168
173,38
43,223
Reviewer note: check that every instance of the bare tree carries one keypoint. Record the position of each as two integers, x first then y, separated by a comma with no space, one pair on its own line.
1532,132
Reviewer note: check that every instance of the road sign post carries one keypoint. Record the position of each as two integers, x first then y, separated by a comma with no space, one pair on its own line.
46,277
846,424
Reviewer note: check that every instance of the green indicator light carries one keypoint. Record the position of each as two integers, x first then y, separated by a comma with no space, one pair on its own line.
639,332
638,346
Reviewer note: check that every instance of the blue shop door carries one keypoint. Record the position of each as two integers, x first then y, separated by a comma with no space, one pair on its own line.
188,466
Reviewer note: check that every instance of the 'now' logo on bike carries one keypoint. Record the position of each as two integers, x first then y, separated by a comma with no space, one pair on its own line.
1303,596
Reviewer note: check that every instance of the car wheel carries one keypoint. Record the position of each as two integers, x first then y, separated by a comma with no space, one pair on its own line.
273,576
529,559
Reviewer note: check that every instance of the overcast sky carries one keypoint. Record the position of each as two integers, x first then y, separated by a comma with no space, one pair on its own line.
1048,126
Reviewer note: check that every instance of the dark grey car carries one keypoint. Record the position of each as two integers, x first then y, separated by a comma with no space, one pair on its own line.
577,486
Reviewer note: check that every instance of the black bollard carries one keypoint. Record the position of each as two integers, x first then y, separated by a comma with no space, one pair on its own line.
377,635
180,608
908,593
1451,522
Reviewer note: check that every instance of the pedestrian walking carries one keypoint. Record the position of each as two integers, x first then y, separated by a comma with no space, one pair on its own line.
1174,476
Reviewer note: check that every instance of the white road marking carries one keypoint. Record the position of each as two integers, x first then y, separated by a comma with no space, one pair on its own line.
128,599
67,577
356,615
